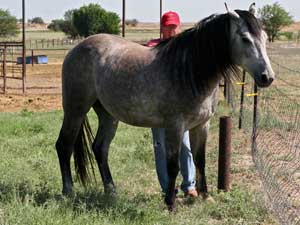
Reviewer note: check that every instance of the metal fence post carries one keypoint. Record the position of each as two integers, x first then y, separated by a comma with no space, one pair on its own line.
255,103
225,90
160,14
4,69
32,55
123,18
242,100
228,89
23,49
224,153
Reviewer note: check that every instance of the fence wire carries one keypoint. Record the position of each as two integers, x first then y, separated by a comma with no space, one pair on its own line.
276,144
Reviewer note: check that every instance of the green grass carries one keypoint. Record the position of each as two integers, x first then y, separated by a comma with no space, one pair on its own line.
37,35
44,34
30,182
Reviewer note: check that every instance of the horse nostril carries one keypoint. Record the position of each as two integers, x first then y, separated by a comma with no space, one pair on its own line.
271,80
264,78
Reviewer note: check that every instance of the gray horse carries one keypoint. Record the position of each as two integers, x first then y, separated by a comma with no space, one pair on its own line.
173,85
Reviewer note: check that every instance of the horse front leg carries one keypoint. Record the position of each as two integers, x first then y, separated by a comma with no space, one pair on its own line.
198,137
173,142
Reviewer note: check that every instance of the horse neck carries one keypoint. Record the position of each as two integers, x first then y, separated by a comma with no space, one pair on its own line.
199,56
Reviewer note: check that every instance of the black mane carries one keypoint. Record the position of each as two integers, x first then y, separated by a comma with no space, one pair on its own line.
203,52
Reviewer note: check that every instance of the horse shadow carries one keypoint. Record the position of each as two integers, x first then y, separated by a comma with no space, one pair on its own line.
88,200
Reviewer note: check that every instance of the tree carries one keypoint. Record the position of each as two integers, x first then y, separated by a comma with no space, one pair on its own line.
8,24
68,25
37,20
93,19
274,17
65,25
56,25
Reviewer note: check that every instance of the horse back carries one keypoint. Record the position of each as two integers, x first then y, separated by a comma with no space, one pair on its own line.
102,62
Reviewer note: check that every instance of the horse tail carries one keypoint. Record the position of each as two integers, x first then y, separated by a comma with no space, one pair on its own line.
83,153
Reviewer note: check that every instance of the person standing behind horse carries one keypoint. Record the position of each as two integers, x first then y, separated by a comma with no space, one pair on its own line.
170,23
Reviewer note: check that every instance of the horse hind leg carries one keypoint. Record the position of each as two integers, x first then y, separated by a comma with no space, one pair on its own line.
64,147
105,134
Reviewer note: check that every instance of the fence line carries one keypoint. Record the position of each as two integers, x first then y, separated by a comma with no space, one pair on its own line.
52,43
275,132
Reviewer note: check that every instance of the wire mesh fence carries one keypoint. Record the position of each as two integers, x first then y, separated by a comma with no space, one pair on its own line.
276,140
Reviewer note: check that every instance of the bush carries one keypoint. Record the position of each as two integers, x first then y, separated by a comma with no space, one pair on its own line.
93,19
8,24
66,25
56,25
132,22
286,35
37,20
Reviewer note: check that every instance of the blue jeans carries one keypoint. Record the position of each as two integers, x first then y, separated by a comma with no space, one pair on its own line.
187,167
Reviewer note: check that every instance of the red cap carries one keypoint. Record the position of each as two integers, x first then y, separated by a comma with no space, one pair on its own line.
170,18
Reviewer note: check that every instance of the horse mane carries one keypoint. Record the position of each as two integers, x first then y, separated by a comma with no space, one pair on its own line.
202,53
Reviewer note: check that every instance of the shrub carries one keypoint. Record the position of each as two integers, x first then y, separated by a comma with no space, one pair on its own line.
37,20
65,25
132,22
286,35
56,25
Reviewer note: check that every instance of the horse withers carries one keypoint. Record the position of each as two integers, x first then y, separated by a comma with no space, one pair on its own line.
173,85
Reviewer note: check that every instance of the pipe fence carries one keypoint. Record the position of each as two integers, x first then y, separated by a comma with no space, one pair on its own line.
9,68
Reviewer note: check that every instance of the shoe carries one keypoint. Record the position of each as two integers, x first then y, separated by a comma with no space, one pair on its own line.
191,193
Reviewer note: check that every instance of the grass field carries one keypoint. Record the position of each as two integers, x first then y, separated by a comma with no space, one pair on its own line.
30,182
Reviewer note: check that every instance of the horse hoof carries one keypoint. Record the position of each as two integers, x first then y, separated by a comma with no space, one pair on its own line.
171,208
170,202
110,190
67,192
207,198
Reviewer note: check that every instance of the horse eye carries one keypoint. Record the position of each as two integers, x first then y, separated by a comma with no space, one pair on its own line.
246,40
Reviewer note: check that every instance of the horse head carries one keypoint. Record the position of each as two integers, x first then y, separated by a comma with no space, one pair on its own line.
248,46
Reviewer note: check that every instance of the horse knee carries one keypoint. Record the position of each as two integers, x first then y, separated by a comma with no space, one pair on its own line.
173,169
64,151
59,146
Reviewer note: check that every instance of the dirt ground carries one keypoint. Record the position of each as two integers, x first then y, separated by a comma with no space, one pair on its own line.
43,90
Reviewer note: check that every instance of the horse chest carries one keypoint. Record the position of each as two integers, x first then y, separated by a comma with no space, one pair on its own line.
201,113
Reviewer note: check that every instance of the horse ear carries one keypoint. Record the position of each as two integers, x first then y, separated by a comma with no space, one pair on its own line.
252,9
230,12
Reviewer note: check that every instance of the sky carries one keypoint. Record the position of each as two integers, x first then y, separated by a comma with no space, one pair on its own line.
142,10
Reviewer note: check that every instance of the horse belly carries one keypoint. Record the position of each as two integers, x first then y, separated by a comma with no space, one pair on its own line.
130,108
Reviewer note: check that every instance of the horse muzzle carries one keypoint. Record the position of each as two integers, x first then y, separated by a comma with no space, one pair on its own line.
264,80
